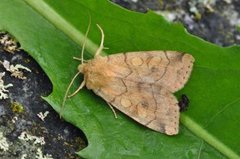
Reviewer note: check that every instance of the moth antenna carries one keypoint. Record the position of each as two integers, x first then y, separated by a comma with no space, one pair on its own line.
85,38
75,76
101,47
67,91
79,88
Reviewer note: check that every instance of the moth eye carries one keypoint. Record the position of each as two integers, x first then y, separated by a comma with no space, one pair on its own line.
80,67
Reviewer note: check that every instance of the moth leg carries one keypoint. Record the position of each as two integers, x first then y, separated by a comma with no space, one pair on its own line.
115,114
101,47
78,59
79,88
66,93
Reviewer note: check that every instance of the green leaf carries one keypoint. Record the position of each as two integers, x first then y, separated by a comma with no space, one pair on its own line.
53,32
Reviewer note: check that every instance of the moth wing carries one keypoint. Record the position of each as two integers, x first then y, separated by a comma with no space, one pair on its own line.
140,84
151,105
169,69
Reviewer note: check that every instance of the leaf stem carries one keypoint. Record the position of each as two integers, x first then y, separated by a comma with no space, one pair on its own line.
206,136
62,24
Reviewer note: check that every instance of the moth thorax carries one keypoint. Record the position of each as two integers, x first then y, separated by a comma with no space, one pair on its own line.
95,79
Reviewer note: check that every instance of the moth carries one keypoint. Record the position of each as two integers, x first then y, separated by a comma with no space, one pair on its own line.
139,84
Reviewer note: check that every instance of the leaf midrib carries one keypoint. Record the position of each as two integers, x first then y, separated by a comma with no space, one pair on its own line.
59,22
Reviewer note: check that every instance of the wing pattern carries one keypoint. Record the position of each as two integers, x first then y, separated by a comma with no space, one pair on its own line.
141,85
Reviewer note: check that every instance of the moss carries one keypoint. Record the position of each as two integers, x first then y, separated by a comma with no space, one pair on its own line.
17,107
238,28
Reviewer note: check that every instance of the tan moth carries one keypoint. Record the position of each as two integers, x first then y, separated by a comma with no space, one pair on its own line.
139,84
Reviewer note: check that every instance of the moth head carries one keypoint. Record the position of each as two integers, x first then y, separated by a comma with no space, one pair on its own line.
96,73
81,67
